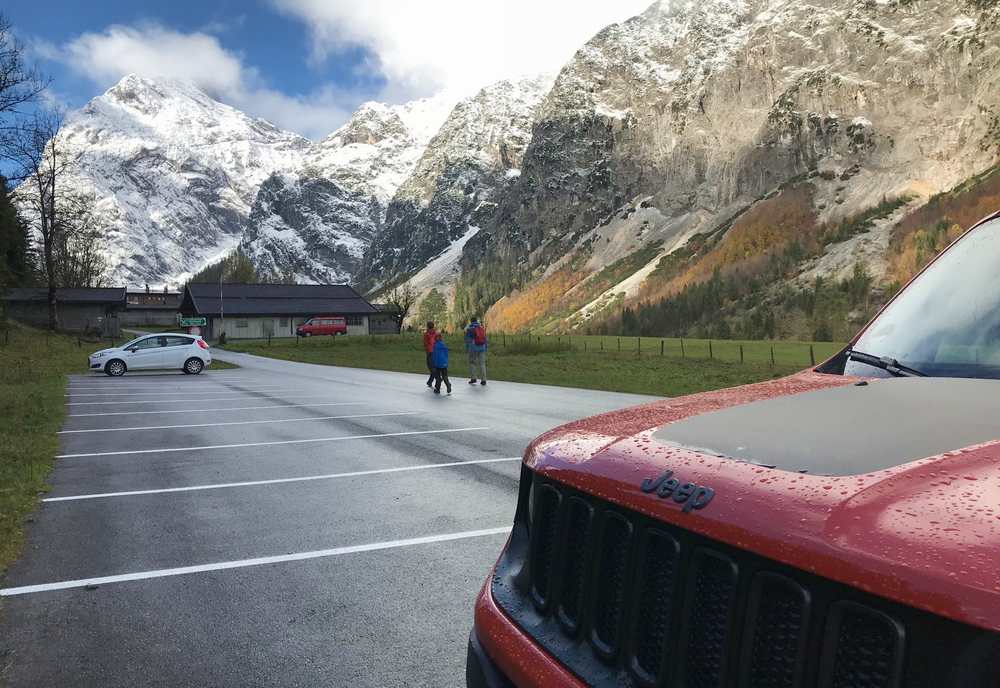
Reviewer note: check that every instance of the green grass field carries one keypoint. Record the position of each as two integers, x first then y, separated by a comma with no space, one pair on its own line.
578,361
33,370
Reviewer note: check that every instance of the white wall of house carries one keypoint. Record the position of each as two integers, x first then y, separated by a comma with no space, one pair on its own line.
357,324
260,327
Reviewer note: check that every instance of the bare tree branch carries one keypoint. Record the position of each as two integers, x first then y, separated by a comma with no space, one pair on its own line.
55,215
402,299
20,83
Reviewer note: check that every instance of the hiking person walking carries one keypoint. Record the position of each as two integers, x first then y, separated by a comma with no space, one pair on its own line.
429,334
475,344
467,338
440,360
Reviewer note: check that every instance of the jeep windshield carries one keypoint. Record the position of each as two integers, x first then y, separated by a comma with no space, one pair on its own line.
947,322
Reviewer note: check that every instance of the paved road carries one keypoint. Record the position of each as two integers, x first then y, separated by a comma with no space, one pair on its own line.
332,569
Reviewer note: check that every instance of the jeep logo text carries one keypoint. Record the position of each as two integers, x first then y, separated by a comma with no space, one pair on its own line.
690,495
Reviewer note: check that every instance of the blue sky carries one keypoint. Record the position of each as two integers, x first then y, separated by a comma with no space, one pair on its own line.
307,64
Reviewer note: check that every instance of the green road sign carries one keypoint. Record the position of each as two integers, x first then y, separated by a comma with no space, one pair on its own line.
193,322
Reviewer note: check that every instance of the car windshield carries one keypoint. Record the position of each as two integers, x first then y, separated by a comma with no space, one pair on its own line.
947,322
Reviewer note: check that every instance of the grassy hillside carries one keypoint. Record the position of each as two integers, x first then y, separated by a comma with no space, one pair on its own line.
740,279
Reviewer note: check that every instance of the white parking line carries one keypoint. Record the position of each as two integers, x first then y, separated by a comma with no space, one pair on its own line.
280,481
156,392
242,422
177,401
267,444
245,563
213,410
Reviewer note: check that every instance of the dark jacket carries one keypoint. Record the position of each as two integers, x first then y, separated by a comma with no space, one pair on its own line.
439,356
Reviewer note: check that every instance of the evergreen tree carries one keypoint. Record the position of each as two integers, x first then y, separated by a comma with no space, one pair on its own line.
234,268
15,244
434,308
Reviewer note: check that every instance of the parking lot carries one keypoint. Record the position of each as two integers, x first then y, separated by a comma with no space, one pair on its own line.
280,524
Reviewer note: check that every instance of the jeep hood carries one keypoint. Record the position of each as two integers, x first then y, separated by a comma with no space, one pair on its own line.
851,482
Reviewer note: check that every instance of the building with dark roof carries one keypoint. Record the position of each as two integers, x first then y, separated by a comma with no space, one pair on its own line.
255,311
151,307
79,310
386,320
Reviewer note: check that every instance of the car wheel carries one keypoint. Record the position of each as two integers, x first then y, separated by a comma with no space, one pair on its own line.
115,368
193,366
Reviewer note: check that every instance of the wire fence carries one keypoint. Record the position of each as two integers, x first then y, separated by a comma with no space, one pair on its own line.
774,353
735,351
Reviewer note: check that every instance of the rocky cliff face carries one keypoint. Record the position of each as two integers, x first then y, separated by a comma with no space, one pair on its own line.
766,141
468,165
317,222
175,173
675,122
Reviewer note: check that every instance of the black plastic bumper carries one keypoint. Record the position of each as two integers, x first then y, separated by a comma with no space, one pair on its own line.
480,672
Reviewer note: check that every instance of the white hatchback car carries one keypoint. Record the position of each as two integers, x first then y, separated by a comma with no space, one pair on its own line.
185,352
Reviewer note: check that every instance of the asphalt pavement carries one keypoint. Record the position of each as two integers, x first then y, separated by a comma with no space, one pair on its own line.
282,524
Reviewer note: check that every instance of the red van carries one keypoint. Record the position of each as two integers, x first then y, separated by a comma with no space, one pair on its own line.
839,528
323,324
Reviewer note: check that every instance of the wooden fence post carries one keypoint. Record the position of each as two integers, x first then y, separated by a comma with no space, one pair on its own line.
741,353
812,354
682,349
662,344
619,344
710,354
772,355
638,346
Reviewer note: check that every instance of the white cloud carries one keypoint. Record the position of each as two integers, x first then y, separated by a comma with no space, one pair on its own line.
423,46
155,51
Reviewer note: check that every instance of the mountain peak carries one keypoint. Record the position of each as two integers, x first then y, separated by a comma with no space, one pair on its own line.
136,90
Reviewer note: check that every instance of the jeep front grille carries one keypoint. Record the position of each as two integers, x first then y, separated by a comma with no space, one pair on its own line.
623,600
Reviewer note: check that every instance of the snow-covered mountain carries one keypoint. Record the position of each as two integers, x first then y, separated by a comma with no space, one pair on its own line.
468,164
175,173
318,221
179,176
765,141
681,122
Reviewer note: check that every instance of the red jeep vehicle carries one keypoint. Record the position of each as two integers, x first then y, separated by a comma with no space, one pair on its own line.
839,528
322,325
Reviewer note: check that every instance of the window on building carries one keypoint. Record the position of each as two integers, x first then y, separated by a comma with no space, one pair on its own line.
242,324
355,320
284,322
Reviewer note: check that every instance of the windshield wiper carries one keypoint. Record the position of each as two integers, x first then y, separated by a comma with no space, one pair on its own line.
890,365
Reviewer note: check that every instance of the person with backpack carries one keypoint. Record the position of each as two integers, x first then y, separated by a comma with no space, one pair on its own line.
440,360
476,345
429,337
